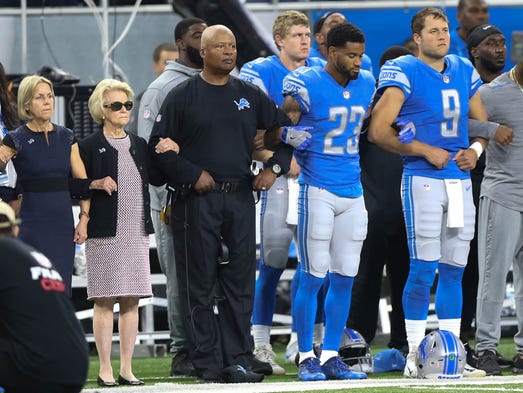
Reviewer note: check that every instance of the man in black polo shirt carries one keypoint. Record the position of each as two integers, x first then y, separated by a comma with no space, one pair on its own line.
214,117
42,345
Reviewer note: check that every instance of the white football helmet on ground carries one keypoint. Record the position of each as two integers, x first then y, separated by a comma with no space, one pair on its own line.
441,355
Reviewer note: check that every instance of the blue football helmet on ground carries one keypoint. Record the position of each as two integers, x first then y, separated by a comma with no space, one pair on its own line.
441,355
355,351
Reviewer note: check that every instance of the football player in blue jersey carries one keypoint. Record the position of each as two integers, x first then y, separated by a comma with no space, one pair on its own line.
332,221
322,27
435,93
291,34
471,13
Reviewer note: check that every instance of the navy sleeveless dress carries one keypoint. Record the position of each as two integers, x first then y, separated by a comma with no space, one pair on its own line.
43,167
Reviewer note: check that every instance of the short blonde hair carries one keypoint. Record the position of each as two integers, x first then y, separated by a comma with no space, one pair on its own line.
96,100
286,20
26,92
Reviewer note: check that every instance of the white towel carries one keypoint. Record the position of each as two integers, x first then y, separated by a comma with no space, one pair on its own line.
455,217
294,192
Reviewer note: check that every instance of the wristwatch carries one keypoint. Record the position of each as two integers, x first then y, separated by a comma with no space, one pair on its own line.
276,169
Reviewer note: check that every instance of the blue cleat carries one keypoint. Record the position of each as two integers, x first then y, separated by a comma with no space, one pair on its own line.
310,370
334,368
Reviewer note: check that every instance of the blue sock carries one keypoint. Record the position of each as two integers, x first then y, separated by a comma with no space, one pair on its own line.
305,305
265,295
294,288
337,304
320,312
449,293
416,294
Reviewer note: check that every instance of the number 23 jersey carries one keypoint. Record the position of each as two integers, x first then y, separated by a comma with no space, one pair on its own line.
438,105
336,114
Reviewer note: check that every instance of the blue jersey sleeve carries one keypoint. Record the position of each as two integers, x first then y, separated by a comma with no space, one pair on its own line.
255,72
475,79
396,73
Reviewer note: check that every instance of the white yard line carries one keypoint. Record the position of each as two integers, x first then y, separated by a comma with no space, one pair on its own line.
472,384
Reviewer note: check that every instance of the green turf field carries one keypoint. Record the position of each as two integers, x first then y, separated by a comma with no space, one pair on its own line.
154,371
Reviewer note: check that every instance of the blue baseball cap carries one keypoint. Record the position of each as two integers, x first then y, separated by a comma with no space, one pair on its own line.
389,360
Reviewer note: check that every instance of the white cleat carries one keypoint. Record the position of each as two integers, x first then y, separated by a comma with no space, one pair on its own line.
471,372
410,370
265,354
291,351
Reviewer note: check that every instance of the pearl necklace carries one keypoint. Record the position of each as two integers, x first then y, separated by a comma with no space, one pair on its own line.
513,76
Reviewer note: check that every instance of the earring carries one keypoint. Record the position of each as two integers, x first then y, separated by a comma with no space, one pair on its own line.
103,117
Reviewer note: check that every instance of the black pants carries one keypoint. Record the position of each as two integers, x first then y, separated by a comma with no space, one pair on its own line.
385,245
14,381
199,221
469,282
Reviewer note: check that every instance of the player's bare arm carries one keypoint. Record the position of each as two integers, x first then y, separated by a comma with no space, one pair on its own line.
296,136
291,107
466,159
262,155
381,132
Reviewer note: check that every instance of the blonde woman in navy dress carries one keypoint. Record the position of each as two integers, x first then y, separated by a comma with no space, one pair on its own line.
44,154
117,251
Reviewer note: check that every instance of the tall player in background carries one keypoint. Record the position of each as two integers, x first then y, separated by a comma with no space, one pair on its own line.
291,34
332,217
436,92
322,27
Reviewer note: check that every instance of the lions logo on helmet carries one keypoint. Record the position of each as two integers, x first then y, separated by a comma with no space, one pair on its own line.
441,355
355,352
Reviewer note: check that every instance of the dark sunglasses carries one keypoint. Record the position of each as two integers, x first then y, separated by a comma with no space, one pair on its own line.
116,106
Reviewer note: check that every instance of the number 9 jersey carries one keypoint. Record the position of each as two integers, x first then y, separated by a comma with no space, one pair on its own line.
336,114
438,105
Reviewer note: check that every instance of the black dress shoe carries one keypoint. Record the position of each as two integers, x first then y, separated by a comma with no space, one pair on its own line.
237,374
181,364
123,381
209,376
259,367
105,384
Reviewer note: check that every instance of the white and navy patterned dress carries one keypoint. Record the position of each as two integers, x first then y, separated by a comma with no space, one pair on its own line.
119,266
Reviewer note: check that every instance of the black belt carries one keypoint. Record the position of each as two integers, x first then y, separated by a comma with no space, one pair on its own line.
231,186
52,184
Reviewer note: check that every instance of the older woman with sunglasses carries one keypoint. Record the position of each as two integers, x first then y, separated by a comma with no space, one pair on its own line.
118,226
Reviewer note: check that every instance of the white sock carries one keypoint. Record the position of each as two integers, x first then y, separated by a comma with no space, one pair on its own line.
306,355
452,325
261,335
317,337
415,333
326,355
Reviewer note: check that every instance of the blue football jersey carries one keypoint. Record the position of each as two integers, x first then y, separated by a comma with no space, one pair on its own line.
438,105
268,72
336,114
